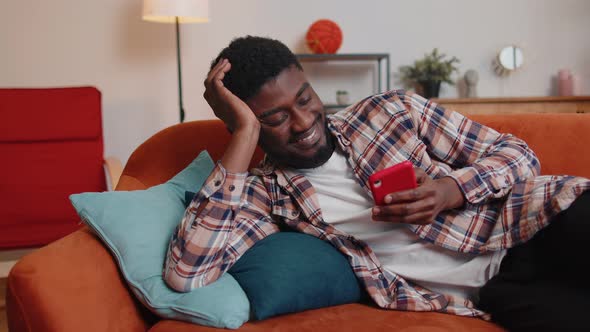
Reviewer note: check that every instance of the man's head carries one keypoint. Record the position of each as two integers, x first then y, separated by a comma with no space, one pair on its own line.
267,76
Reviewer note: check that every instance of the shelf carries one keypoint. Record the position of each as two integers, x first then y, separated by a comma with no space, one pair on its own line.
343,56
500,100
548,104
335,106
382,60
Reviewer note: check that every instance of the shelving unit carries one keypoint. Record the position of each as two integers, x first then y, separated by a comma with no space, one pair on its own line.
381,59
554,104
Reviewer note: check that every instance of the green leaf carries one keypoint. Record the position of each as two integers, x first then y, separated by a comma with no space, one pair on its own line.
434,66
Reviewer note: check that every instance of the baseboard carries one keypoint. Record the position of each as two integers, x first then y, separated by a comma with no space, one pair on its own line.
3,283
9,257
14,254
5,268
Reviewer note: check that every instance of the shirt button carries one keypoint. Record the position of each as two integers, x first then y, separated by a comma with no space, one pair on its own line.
506,181
232,187
381,276
217,183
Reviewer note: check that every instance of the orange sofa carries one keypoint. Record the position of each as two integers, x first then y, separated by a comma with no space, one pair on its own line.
73,284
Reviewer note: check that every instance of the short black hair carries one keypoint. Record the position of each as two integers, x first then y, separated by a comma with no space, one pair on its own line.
254,61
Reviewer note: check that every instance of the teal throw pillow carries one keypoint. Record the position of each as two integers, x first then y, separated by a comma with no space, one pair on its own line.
137,225
290,272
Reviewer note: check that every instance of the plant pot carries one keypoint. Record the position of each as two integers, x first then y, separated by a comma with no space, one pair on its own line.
430,89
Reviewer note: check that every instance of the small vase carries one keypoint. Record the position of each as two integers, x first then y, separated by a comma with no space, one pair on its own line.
430,89
565,83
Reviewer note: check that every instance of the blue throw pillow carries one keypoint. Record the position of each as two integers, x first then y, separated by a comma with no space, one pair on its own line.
290,272
137,225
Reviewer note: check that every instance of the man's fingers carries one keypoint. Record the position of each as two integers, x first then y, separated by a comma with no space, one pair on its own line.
212,72
421,176
405,209
215,71
218,67
407,195
422,218
214,82
218,80
221,73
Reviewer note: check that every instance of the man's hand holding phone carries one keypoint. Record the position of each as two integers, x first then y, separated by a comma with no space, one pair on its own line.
419,203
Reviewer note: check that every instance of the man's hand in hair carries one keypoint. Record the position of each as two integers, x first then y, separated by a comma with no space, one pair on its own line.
234,112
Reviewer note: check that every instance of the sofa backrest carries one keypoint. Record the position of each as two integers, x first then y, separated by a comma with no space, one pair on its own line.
560,141
51,146
169,151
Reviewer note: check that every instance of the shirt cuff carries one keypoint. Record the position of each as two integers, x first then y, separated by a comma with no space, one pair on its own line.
474,188
223,186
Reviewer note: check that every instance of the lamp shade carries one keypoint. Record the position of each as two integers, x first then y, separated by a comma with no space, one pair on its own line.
166,11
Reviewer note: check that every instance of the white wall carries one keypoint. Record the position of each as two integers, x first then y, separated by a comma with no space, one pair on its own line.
106,44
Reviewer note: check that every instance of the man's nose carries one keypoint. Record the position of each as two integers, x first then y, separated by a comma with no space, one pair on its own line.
302,120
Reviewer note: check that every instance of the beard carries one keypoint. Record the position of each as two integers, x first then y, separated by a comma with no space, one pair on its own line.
323,154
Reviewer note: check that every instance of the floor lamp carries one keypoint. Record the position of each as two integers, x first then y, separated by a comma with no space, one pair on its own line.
177,11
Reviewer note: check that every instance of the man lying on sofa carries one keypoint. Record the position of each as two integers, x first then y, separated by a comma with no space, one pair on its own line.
482,234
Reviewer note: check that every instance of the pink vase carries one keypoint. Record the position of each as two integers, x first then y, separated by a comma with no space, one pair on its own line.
565,83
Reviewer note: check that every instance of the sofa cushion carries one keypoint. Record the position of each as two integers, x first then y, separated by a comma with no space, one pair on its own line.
40,108
136,226
291,272
352,317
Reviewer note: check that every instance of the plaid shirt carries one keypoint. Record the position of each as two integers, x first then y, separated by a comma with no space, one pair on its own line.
506,201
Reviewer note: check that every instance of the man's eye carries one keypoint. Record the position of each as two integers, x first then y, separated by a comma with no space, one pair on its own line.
304,101
275,119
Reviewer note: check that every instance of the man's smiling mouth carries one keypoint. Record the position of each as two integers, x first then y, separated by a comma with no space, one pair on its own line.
309,139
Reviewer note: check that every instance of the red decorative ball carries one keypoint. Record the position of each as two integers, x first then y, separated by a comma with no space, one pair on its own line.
324,36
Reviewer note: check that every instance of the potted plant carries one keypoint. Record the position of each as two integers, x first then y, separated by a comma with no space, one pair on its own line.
429,72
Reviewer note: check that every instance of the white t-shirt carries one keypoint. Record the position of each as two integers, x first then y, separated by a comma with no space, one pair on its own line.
346,206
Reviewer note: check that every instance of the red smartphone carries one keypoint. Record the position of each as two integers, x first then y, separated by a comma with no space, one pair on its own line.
398,177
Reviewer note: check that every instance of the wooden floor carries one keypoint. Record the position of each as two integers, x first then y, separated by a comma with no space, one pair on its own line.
3,323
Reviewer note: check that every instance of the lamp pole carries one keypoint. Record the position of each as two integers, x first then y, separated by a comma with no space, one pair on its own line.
180,104
173,11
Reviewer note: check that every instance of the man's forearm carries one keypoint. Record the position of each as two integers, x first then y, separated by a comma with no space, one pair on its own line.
454,195
240,150
206,244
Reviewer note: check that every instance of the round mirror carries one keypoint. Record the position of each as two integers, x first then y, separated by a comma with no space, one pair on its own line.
509,59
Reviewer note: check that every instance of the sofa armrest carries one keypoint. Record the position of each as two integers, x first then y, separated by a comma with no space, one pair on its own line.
113,169
72,284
